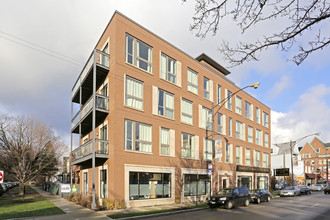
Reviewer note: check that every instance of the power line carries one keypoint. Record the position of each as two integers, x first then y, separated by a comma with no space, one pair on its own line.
41,51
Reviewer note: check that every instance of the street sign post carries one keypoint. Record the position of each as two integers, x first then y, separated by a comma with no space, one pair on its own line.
1,176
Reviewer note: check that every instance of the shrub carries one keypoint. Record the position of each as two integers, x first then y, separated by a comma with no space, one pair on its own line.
113,204
77,198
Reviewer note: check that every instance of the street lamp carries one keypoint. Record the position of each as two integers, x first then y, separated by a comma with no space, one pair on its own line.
220,105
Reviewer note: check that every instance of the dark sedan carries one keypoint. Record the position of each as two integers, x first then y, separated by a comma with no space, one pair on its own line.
327,189
260,195
305,190
230,198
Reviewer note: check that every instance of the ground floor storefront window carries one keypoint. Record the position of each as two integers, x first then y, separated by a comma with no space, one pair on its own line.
144,185
195,184
244,181
262,182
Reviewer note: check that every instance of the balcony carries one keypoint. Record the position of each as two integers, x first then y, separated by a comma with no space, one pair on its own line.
85,80
83,155
85,115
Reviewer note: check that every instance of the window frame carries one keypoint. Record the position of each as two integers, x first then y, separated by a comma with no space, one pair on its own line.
191,144
136,98
165,108
185,114
133,136
190,84
238,105
168,73
166,145
206,85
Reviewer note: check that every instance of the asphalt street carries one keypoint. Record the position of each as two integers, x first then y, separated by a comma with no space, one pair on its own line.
315,206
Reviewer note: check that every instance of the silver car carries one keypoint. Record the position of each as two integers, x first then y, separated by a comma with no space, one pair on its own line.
317,187
290,191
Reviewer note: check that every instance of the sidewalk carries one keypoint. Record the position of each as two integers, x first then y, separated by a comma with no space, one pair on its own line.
73,211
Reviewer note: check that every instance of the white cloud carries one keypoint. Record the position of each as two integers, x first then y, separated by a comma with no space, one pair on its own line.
309,115
279,87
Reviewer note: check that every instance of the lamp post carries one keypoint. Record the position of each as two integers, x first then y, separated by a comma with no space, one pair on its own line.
220,105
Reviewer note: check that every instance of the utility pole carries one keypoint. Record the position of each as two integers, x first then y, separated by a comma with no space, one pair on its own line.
291,163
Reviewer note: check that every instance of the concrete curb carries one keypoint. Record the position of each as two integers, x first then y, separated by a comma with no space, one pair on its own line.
163,213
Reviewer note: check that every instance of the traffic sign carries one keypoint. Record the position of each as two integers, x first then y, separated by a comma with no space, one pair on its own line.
1,176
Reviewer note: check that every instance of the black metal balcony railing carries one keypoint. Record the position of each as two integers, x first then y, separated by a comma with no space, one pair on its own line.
101,147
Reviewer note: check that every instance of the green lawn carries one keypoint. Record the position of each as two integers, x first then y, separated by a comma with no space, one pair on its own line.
13,206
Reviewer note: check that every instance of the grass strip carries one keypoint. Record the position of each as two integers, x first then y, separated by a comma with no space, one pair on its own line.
13,206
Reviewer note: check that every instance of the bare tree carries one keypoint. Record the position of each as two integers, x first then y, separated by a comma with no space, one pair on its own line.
301,18
28,147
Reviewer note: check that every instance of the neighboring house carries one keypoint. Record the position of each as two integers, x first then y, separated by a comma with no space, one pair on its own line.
145,119
315,156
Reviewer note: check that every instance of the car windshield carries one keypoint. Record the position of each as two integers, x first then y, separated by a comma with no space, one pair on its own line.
318,185
224,192
254,191
289,188
304,187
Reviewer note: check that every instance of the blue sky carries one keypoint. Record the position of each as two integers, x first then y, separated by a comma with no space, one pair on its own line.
37,84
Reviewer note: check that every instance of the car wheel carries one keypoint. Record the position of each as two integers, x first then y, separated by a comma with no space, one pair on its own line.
247,202
229,205
325,192
268,198
257,201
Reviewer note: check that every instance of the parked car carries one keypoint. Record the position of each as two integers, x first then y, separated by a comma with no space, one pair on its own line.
317,187
290,191
305,190
4,186
2,191
230,197
260,195
327,189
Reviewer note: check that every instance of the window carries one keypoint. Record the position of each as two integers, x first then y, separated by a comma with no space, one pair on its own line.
165,104
312,162
239,130
206,118
138,54
144,185
192,81
257,158
104,90
265,158
250,134
208,149
103,183
248,110
103,136
230,127
258,137
219,94
228,153
168,68
265,121
206,88
188,146
138,136
238,155
320,161
85,183
238,105
164,141
229,102
257,115
196,184
247,156
134,93
266,140
186,111
220,123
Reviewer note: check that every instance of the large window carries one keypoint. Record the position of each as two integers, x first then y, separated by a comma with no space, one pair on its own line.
230,127
265,119
206,88
165,104
266,140
239,130
188,146
220,123
144,185
103,136
138,53
164,141
207,118
244,181
238,155
262,182
265,160
238,105
168,68
186,111
196,184
85,183
219,94
134,93
250,134
208,149
247,156
138,136
258,137
229,102
248,110
103,183
257,115
257,158
192,81
228,153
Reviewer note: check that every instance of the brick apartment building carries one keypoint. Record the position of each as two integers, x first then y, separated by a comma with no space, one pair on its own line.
144,122
315,156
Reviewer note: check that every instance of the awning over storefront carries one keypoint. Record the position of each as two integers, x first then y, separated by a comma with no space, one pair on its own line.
311,176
